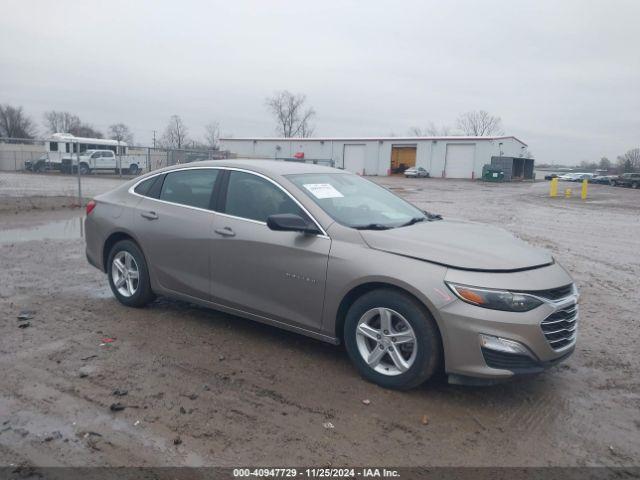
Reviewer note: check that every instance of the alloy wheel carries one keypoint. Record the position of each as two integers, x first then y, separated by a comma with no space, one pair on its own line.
125,274
386,341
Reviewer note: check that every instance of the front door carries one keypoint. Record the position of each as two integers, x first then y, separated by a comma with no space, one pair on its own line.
176,229
279,275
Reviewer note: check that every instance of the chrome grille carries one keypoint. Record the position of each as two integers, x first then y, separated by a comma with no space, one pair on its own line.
560,328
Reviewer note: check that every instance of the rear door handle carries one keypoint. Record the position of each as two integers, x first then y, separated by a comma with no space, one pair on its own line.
225,232
150,215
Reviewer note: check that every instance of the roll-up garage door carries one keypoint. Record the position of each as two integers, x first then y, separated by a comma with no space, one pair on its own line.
354,156
460,160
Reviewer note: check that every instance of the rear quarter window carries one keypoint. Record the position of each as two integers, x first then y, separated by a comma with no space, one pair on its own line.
145,187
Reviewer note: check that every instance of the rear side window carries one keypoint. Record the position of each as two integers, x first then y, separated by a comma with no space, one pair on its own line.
189,187
253,197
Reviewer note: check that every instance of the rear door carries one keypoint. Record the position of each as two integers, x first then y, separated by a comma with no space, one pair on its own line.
175,230
279,275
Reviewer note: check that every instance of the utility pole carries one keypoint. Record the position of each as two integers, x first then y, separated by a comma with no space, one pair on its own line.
119,160
154,139
78,168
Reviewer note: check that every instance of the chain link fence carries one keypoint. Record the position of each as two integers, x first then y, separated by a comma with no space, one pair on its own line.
80,158
67,156
38,156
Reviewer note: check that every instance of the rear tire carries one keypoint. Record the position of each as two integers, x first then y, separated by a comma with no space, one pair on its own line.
133,169
128,275
634,185
407,318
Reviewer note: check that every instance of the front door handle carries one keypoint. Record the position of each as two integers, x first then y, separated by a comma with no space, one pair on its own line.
150,215
225,232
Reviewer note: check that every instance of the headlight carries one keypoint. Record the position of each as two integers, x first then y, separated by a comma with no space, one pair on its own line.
495,299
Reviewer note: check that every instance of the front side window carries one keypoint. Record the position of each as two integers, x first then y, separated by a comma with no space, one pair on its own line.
53,146
355,202
253,197
189,187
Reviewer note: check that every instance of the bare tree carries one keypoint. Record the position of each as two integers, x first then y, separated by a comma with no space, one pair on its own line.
630,161
479,123
432,131
212,135
14,123
605,164
176,133
121,133
86,130
60,122
65,122
586,165
292,119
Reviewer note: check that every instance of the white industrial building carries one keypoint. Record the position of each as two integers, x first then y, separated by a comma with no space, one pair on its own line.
450,157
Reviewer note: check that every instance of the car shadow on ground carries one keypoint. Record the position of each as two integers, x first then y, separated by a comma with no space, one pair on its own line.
507,394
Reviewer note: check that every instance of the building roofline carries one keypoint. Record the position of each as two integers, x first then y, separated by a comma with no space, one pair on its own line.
365,139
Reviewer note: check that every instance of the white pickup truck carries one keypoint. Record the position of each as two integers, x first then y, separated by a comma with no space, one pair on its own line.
92,160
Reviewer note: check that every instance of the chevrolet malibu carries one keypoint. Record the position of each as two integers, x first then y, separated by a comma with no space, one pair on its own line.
331,255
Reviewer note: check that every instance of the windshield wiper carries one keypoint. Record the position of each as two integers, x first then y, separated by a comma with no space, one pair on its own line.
432,216
372,226
413,221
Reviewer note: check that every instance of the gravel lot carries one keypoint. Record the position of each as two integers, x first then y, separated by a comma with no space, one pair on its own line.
238,393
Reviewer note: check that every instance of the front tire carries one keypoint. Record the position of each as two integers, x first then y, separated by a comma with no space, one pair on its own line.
128,275
392,339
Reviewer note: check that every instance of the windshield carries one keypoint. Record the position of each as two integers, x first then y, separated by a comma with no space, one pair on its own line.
356,202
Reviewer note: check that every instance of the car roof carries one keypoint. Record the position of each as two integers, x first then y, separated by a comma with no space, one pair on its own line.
265,166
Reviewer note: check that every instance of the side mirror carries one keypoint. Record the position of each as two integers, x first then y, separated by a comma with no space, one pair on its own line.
289,222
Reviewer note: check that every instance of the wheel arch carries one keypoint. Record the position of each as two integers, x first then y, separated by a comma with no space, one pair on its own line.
363,288
111,240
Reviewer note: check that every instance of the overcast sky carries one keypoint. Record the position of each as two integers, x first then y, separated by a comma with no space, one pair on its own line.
563,75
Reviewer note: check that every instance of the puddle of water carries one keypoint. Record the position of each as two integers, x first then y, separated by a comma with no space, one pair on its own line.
59,230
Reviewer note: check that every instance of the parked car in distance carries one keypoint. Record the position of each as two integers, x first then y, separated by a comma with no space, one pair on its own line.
576,176
96,160
416,172
551,176
631,180
603,179
42,164
329,254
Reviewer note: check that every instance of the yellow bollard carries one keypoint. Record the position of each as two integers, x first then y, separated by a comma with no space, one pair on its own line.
553,192
567,193
583,194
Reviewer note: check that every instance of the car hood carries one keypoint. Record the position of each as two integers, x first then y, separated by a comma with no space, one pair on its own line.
459,244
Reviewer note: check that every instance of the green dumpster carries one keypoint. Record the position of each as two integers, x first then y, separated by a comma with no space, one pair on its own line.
492,174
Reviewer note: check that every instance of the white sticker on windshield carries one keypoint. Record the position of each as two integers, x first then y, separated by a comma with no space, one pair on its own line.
323,190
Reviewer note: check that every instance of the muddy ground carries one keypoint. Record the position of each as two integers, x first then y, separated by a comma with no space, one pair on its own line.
205,388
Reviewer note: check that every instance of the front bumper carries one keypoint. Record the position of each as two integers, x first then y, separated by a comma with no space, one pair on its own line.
547,335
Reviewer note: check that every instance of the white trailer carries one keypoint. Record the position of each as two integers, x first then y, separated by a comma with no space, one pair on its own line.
61,146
